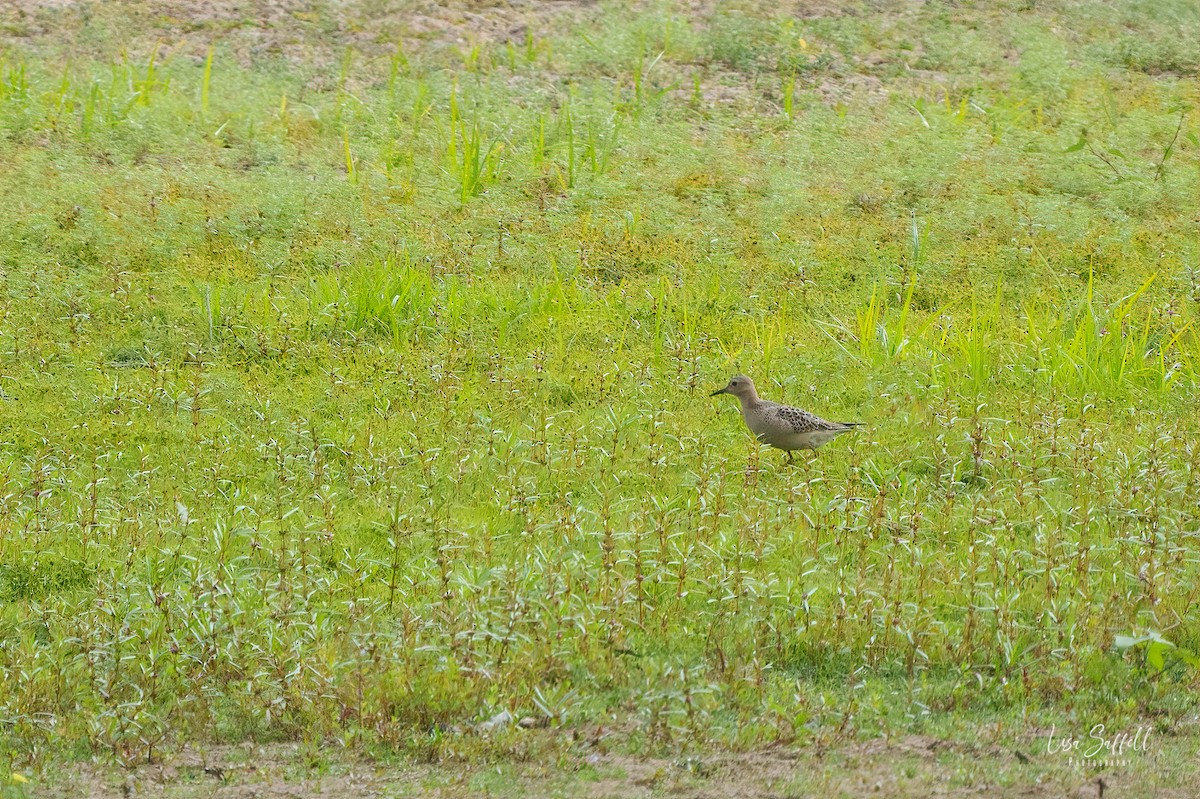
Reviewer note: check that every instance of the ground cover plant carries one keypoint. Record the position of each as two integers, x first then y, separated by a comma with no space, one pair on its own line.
355,372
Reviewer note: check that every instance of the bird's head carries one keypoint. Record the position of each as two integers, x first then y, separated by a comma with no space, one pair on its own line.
739,386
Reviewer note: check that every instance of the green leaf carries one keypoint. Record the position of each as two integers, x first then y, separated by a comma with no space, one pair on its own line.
1154,655
1187,657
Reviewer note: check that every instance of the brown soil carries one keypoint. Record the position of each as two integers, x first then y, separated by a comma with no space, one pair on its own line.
913,766
300,31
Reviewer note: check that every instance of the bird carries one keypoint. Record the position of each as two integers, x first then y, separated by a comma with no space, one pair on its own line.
782,426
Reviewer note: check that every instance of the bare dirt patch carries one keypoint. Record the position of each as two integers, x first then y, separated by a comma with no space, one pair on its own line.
299,31
912,766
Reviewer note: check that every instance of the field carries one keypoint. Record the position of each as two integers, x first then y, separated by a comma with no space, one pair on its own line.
355,428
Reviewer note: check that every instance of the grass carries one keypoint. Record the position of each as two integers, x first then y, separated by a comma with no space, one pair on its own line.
355,389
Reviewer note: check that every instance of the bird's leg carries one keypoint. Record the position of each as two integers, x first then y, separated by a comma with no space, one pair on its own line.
791,458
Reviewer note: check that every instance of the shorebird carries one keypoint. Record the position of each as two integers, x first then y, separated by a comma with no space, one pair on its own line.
781,426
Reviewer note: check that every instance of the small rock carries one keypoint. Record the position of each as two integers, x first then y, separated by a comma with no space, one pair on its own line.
496,722
530,723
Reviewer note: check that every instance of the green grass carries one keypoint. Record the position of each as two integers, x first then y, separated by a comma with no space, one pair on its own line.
354,392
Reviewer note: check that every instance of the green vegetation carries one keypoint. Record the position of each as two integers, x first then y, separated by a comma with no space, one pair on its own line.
355,374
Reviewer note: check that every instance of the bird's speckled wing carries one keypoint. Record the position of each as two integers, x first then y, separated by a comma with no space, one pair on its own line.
801,421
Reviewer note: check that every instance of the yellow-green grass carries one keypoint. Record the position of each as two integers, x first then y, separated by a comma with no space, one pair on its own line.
360,397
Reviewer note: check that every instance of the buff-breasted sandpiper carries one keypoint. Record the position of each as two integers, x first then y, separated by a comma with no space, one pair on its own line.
781,426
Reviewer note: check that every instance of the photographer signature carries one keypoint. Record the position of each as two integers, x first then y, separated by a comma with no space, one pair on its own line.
1099,744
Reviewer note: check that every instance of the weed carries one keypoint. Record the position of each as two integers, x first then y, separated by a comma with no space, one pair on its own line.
364,401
